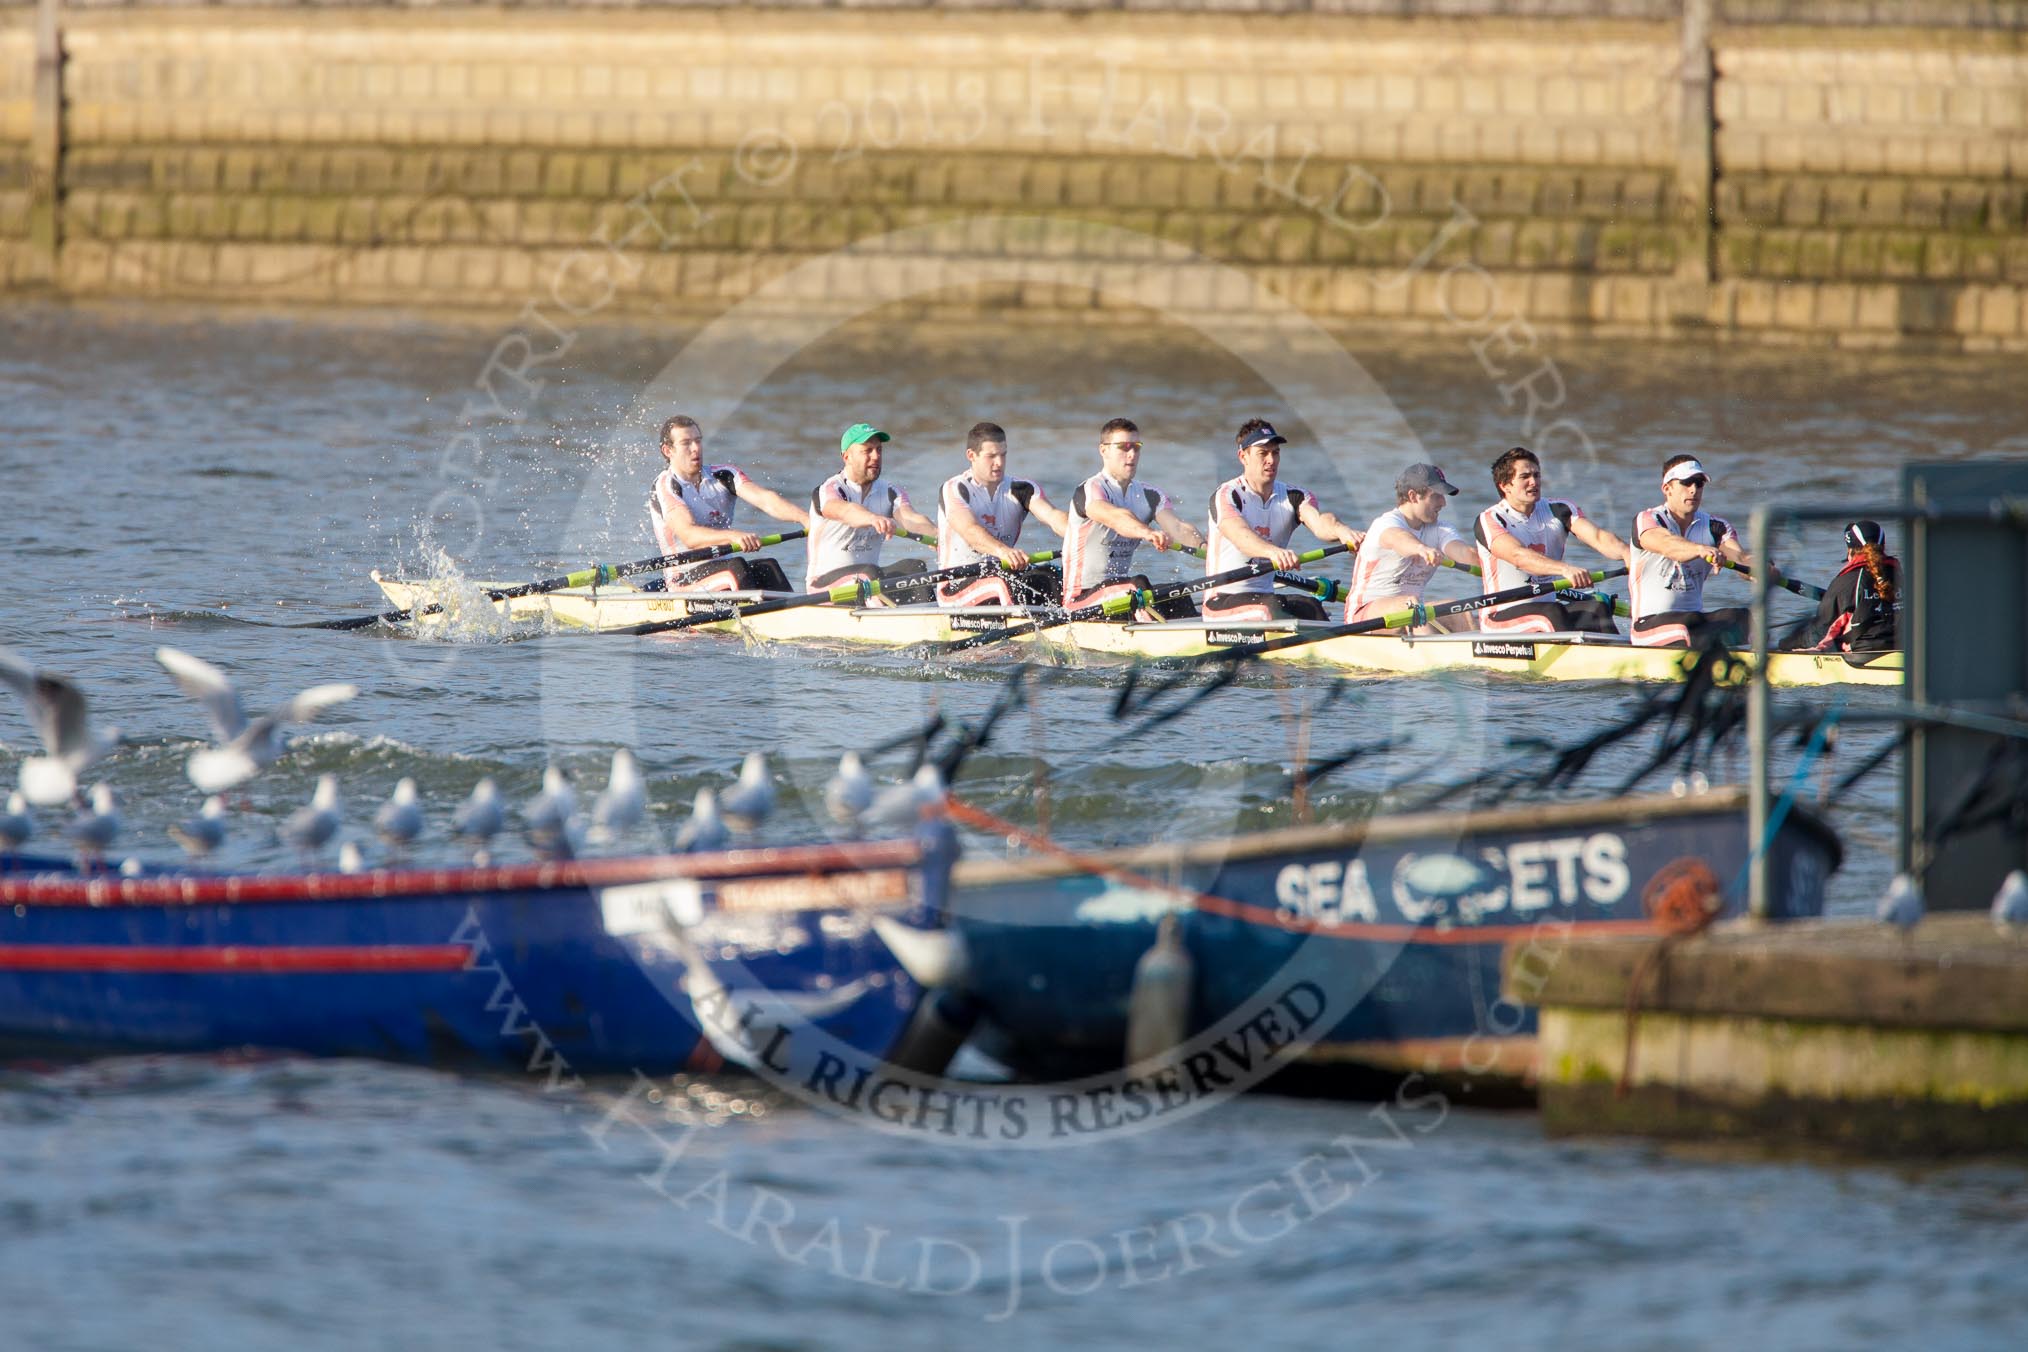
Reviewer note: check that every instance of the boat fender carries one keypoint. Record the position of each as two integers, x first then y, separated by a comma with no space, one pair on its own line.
941,1024
1158,1009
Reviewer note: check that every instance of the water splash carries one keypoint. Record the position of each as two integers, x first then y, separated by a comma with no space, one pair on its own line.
459,610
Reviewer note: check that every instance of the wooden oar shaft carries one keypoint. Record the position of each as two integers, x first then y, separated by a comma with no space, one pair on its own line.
593,576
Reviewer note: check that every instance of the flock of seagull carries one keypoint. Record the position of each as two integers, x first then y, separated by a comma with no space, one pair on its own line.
551,822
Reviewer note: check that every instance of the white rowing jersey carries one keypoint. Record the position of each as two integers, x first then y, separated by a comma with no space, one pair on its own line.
1381,572
1093,552
710,501
1544,528
1657,583
1272,516
835,545
1003,511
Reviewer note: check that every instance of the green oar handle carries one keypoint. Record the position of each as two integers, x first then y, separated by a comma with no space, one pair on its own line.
857,592
929,540
1620,607
1398,619
599,574
584,577
1325,589
1775,578
1129,601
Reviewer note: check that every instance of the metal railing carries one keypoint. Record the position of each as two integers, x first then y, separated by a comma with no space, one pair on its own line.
2003,511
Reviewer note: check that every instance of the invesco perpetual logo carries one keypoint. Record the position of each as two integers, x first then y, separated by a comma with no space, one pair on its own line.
1296,984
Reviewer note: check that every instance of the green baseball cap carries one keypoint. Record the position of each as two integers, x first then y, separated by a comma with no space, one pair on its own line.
859,432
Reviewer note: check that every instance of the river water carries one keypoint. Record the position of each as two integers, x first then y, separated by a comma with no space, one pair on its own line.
197,478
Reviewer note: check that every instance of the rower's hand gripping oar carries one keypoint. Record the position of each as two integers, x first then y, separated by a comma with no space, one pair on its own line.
1130,601
596,575
1325,589
1399,619
1048,556
1775,577
845,593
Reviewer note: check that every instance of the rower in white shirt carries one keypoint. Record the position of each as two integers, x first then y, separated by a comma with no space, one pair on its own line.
1522,539
980,514
1252,517
853,513
690,506
1112,515
1403,550
1677,546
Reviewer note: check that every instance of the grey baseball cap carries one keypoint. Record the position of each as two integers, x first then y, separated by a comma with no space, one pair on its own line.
1422,478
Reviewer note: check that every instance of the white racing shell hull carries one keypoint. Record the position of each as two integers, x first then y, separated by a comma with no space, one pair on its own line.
1568,658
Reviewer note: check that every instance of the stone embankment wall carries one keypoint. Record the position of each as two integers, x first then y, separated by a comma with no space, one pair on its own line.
1853,172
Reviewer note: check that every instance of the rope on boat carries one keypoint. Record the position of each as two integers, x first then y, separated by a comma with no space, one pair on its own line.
985,821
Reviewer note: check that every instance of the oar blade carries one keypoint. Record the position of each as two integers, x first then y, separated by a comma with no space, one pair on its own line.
357,621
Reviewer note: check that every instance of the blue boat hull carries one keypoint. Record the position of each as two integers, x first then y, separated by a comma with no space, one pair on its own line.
1381,941
593,967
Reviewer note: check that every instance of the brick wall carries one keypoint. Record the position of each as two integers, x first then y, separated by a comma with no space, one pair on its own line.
1877,179
1480,163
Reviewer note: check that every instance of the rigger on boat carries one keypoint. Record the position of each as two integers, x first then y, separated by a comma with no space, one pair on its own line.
1536,614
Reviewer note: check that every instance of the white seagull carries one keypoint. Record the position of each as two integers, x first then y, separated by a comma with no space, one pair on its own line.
17,827
205,832
623,803
1901,906
2010,903
310,828
705,831
900,807
58,712
482,816
749,801
97,827
546,816
850,791
400,819
351,859
245,746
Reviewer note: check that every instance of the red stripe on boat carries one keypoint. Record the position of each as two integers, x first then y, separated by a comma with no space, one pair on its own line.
185,889
253,958
1411,934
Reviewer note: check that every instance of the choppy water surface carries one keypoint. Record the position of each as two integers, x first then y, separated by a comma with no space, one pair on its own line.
188,478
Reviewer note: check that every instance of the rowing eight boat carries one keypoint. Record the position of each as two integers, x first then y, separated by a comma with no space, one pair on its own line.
1562,657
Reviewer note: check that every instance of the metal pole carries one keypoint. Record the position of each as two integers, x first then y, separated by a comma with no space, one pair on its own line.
1757,899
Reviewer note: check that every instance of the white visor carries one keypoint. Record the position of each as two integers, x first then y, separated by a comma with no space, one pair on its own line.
1689,469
